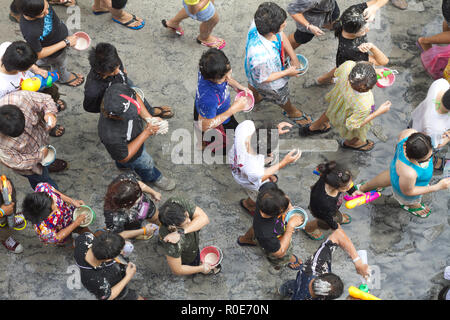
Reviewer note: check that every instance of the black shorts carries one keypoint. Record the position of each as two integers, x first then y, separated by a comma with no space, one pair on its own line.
119,4
305,37
446,10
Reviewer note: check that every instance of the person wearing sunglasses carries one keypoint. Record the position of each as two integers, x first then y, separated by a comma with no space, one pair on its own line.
410,173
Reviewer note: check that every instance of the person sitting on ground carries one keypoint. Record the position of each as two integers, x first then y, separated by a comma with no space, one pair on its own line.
129,209
351,29
48,36
119,15
179,236
269,229
24,135
122,133
17,64
266,49
106,69
100,272
247,167
213,108
432,117
351,106
314,280
425,43
410,173
6,210
203,11
51,213
327,195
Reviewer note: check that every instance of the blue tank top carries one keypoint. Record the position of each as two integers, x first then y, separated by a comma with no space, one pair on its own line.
424,175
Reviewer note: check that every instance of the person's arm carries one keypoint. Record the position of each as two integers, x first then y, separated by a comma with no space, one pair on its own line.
136,144
237,86
372,7
144,112
407,183
194,9
64,233
292,71
291,157
199,220
68,199
287,47
445,139
48,51
180,269
378,57
206,124
353,123
36,70
286,238
129,274
153,193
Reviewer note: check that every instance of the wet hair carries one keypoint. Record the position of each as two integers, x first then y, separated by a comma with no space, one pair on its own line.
269,17
272,202
12,121
107,246
104,58
351,21
122,193
37,206
214,64
418,145
30,8
14,7
171,214
328,286
446,100
363,77
19,56
443,293
334,174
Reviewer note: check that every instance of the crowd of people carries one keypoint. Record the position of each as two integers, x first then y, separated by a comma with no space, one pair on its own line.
126,122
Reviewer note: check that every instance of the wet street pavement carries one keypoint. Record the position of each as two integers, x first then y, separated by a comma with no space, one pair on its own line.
408,254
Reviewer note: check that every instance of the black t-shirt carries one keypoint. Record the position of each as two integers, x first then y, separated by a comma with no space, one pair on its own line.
348,48
268,230
44,32
98,281
95,88
117,134
322,205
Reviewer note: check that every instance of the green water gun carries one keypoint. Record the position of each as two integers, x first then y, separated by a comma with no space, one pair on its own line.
385,74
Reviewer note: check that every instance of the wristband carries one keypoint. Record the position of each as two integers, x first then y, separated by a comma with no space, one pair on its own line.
180,231
145,231
307,27
2,213
356,259
67,42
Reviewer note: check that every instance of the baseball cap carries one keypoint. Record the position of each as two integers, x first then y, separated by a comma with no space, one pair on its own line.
120,100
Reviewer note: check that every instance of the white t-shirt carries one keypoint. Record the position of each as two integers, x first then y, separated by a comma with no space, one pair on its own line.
425,117
10,83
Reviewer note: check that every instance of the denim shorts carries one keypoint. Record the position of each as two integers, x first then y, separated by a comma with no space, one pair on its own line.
203,15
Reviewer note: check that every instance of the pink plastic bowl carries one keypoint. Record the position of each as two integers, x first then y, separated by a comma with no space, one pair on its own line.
249,106
213,251
83,41
386,81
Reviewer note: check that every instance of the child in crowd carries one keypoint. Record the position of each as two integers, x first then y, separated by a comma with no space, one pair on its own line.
425,43
203,11
351,106
351,29
266,49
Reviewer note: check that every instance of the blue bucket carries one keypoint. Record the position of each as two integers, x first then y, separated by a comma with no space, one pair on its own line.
303,61
297,211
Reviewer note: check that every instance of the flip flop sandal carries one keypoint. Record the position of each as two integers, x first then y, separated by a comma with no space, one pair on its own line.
290,264
61,106
242,244
66,3
127,24
54,131
413,211
312,237
164,114
11,17
68,83
295,119
343,145
218,44
58,165
276,181
179,31
441,167
216,269
304,131
241,202
349,218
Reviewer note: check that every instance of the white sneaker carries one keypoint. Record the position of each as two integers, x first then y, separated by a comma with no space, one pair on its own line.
12,245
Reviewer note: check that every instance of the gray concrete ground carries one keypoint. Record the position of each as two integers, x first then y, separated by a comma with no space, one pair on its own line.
165,67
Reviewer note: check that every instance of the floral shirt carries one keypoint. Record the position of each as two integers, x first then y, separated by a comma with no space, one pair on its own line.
57,220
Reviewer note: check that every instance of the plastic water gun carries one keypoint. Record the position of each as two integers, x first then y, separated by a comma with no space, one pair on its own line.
38,82
354,201
7,200
385,74
360,294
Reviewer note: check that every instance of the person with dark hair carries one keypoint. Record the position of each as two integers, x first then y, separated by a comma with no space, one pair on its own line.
410,173
266,49
28,117
129,209
123,134
444,294
432,117
101,272
51,213
213,108
425,43
314,280
327,195
269,229
351,29
179,236
106,69
351,106
48,36
203,11
119,15
11,244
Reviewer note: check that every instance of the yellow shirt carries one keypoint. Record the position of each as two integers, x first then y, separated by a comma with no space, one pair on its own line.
194,2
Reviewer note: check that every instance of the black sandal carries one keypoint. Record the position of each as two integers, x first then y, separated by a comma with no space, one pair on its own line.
61,106
304,131
360,148
441,167
54,131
